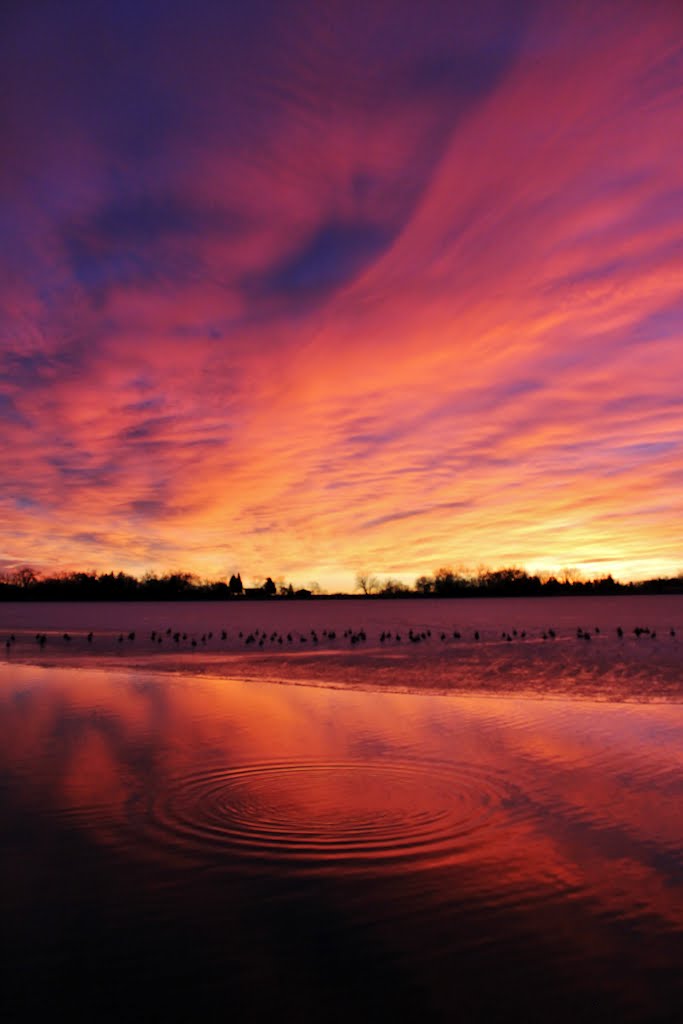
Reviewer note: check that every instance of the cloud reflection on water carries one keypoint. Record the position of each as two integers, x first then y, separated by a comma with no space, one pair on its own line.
559,821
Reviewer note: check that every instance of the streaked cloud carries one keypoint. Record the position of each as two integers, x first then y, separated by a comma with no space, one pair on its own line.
302,292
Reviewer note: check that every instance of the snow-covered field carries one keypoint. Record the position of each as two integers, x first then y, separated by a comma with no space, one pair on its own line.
618,648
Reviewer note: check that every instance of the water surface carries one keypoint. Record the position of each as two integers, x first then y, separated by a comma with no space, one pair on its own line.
182,846
605,648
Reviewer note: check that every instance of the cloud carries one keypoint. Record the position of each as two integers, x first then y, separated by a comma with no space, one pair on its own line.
405,296
333,257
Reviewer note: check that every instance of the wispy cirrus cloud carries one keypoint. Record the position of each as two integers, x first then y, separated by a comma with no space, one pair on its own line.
389,295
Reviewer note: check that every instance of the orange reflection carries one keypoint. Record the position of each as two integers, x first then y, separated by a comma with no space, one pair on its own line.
516,800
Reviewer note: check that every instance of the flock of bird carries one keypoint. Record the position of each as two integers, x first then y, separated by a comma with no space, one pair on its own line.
260,638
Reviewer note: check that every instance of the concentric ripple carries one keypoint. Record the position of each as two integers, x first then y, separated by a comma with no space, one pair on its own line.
331,815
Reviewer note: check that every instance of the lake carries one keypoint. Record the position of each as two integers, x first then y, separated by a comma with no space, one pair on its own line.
441,827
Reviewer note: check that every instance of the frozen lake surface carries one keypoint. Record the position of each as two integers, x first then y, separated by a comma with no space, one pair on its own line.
437,829
536,645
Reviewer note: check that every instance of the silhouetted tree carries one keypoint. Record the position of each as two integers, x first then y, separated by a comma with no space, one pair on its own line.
25,584
424,585
393,588
25,577
448,583
368,584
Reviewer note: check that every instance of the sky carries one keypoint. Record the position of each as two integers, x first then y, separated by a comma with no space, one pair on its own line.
310,289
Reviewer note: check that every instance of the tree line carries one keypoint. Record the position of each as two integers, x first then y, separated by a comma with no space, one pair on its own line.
511,582
26,583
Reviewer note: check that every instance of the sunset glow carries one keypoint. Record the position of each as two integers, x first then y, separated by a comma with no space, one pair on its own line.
307,290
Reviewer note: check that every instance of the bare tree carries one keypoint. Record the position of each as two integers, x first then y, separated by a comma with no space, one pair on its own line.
25,577
368,584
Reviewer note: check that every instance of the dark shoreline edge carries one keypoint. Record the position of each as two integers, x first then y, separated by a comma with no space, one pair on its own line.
654,588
